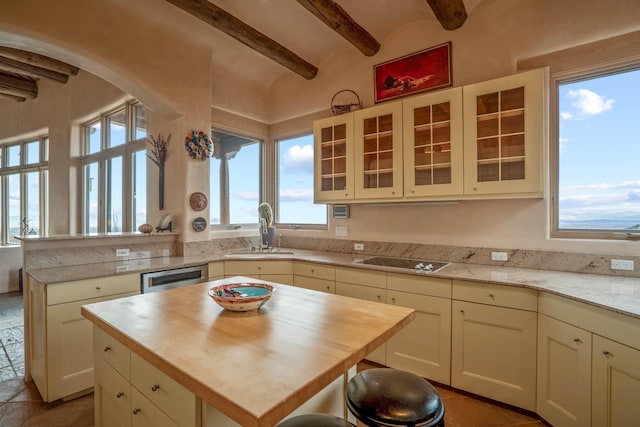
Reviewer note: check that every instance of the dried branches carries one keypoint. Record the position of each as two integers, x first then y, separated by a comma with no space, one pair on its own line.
159,149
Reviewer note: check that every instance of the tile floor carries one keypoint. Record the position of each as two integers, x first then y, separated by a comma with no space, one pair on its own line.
22,406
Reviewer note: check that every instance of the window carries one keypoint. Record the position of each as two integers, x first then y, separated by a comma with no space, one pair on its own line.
23,188
235,179
598,152
295,183
114,171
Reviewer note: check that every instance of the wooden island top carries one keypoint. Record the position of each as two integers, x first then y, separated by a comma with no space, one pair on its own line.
258,366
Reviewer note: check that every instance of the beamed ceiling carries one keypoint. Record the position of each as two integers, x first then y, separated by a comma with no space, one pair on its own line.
20,71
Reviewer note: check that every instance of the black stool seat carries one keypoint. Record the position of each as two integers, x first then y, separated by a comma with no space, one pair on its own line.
383,397
314,420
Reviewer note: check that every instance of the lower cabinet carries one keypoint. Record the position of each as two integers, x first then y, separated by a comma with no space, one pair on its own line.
615,385
493,347
131,392
216,270
60,351
564,373
279,271
314,276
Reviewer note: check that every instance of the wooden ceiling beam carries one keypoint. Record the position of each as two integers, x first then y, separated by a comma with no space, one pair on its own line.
16,86
336,18
38,60
14,66
450,13
12,97
247,35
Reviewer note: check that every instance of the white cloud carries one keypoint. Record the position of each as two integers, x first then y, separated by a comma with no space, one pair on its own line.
299,159
296,195
603,186
246,195
566,115
589,103
563,142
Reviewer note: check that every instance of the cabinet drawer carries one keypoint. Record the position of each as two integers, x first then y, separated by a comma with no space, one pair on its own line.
377,279
112,351
422,285
499,295
362,292
78,290
323,285
216,270
319,271
240,268
175,400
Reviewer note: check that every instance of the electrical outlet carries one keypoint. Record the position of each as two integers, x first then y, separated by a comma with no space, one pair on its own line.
358,246
122,252
622,264
342,231
499,256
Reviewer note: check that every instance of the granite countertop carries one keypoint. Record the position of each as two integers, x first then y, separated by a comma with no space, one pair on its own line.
619,294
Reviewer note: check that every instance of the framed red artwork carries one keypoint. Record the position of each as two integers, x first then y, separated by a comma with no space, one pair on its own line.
428,69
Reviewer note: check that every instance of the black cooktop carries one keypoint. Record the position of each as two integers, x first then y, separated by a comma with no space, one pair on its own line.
413,264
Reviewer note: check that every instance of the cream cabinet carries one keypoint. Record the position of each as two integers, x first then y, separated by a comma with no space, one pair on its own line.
433,145
615,384
60,350
280,271
504,135
378,152
314,276
424,345
129,391
493,343
216,270
564,373
333,159
368,285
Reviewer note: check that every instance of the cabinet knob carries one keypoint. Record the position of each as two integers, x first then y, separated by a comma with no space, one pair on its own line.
607,353
119,395
393,300
328,288
379,297
462,312
136,411
97,288
312,271
492,296
107,348
155,387
577,340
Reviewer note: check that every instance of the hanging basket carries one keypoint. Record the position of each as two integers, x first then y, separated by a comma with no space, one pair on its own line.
338,109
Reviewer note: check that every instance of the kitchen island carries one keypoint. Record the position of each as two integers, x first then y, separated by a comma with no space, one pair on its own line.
253,367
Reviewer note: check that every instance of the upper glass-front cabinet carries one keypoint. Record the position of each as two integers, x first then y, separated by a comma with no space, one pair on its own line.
504,131
378,152
333,154
433,141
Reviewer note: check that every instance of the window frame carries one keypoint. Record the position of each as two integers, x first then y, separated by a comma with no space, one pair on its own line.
23,169
106,153
556,79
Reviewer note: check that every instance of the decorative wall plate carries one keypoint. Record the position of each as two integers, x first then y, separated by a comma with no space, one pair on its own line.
199,224
198,201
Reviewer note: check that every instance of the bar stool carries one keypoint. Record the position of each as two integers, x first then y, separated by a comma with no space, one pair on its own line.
315,420
384,397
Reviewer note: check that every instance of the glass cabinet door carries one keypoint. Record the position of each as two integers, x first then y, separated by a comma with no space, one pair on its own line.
433,163
504,134
333,157
378,151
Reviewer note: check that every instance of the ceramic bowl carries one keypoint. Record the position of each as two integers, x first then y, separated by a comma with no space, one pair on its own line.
242,296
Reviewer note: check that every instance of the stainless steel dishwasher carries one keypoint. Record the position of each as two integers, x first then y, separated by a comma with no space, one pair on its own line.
173,278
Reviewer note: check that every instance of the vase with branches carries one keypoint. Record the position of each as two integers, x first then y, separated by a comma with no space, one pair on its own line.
158,156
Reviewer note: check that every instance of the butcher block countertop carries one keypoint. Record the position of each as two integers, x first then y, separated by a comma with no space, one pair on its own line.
258,366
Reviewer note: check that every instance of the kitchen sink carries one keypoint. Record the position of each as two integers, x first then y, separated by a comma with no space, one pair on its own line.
406,263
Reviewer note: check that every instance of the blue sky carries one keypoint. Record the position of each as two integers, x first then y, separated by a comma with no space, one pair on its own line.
600,150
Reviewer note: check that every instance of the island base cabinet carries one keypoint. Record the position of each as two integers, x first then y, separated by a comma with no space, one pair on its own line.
615,384
493,352
564,373
329,400
111,397
423,347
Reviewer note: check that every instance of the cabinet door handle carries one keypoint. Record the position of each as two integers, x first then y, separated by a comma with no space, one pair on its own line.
107,348
136,411
577,340
119,395
155,387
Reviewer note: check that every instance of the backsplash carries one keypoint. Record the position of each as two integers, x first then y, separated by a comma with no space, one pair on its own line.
541,260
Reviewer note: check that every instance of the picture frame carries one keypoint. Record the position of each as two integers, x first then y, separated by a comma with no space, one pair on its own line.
422,71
